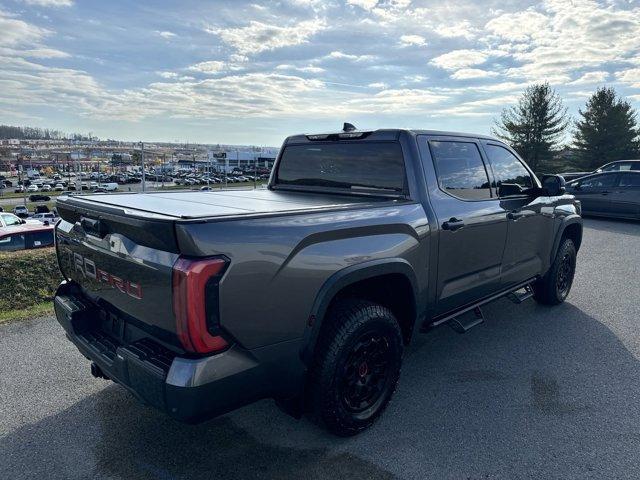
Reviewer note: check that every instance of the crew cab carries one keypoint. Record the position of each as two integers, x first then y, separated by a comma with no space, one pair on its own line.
309,291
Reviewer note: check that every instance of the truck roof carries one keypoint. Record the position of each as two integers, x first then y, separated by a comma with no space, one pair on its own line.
380,134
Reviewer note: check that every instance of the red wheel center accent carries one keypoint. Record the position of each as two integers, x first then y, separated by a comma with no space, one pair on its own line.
362,371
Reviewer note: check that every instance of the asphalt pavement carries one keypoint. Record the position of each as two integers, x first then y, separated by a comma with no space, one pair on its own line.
534,392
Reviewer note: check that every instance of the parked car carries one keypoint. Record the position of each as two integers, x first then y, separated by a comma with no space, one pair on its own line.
39,198
46,218
10,220
26,237
32,188
59,187
609,194
21,211
46,188
617,166
19,189
360,241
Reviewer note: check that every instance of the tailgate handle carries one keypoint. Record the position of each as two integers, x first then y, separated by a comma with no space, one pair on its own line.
93,226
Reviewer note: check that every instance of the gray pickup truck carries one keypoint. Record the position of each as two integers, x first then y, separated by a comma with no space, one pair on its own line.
308,291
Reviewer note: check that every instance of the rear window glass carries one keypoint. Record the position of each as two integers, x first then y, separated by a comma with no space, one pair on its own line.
354,166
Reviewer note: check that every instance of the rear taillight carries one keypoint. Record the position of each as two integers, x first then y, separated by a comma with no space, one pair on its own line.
195,303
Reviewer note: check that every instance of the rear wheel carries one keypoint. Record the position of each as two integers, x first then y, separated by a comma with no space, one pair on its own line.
553,288
356,366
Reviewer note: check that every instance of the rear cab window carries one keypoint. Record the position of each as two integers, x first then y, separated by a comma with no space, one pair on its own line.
358,167
460,169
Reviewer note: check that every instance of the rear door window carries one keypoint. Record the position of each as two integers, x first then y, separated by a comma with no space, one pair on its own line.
630,180
375,166
39,239
460,169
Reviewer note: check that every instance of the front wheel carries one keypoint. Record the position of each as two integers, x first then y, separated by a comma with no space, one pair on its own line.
356,366
553,288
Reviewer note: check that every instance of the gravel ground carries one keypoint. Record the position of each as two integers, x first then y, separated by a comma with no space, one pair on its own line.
534,392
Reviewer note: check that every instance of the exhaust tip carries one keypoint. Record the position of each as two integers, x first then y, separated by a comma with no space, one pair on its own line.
97,372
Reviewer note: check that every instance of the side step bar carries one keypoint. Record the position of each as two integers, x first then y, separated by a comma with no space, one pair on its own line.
517,296
466,321
462,325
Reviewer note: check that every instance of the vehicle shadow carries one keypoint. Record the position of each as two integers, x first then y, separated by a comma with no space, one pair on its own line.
533,392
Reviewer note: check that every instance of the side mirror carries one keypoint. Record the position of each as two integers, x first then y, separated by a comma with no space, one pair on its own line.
554,185
509,189
23,221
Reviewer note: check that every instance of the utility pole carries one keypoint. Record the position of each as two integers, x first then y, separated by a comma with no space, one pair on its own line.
142,162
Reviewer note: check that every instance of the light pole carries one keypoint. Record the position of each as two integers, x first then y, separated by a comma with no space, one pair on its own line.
142,163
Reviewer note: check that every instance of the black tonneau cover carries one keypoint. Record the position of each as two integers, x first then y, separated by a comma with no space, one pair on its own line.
189,205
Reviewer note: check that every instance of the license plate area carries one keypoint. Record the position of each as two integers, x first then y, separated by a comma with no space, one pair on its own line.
113,325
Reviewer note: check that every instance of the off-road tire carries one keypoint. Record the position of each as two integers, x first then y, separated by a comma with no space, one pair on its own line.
354,334
553,288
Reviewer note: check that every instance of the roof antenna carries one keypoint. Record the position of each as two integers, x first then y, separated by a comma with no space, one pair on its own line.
348,127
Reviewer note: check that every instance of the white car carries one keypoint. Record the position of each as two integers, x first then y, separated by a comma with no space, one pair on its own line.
20,210
46,188
11,220
32,188
59,187
93,185
46,218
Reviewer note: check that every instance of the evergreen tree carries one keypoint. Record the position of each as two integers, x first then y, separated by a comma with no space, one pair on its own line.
607,130
535,126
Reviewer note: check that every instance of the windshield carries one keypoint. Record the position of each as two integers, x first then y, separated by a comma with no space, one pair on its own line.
357,167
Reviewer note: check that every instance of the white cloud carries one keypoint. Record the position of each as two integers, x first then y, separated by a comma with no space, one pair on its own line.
518,26
165,34
462,29
211,66
409,40
49,3
365,4
591,78
630,76
472,73
306,69
457,59
379,85
258,37
17,32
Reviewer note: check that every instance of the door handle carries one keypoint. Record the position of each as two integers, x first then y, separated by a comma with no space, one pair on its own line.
515,215
453,224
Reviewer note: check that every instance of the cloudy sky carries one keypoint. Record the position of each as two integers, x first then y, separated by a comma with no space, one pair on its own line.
232,71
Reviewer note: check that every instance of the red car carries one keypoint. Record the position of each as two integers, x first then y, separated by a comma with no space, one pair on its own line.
23,237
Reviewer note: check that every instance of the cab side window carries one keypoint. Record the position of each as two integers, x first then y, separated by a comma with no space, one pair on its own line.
460,170
511,176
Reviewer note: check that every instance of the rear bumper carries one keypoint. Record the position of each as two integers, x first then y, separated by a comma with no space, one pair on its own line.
190,390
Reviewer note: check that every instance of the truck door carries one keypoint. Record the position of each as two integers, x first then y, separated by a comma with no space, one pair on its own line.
529,218
472,226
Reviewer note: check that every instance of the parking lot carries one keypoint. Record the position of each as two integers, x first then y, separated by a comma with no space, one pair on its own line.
535,392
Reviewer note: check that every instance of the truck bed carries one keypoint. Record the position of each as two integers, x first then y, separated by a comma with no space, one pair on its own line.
189,205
